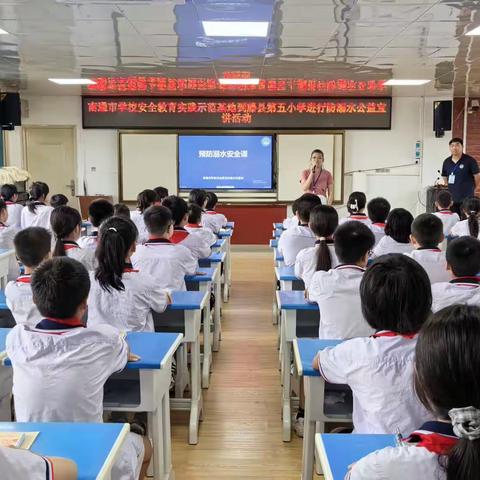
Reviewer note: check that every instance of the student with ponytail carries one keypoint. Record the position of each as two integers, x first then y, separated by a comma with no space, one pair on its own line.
145,199
66,225
323,222
470,226
9,194
120,295
37,213
447,362
356,204
7,234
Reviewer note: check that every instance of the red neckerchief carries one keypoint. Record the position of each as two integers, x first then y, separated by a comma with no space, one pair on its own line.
68,245
63,325
389,333
9,203
379,224
346,265
129,268
469,281
358,216
179,235
193,225
24,278
158,241
445,212
436,437
211,212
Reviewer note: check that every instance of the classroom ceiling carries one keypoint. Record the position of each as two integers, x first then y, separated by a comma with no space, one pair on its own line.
338,47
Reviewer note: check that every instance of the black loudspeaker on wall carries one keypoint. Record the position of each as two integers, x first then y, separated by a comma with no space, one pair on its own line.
10,111
442,117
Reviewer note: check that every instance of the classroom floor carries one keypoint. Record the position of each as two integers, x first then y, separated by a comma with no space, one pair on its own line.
240,436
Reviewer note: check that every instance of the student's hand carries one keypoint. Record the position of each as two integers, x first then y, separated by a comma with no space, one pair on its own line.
132,357
315,361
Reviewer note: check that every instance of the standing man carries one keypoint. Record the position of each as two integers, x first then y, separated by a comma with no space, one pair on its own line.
461,173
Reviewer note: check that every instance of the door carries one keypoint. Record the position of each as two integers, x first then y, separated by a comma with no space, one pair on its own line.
50,156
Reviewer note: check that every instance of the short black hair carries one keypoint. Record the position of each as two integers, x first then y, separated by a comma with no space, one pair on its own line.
99,210
194,214
396,294
352,241
356,202
32,245
427,230
463,256
197,196
399,225
444,198
58,200
178,206
212,201
145,199
3,205
59,286
378,209
8,191
456,140
157,219
162,192
305,206
121,210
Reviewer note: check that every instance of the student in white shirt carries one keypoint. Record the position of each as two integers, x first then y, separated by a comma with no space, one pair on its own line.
198,196
9,193
32,247
58,200
167,262
211,216
299,237
337,291
67,226
427,234
396,300
145,199
195,226
121,296
397,233
322,257
37,213
161,192
356,208
463,265
292,221
98,211
7,234
378,210
60,367
443,204
470,226
446,381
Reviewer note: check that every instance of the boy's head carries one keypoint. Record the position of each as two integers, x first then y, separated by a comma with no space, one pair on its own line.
99,210
161,192
463,256
60,288
427,231
356,202
32,246
396,294
304,207
198,197
58,200
158,220
443,201
378,209
9,192
121,210
194,214
399,225
212,201
353,242
179,208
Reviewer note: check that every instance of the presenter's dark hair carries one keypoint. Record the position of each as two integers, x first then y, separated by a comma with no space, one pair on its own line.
427,229
178,206
212,201
399,225
194,214
352,242
456,140
323,222
99,210
463,256
378,209
32,245
356,202
197,196
38,193
63,220
145,199
471,208
317,150
8,191
444,199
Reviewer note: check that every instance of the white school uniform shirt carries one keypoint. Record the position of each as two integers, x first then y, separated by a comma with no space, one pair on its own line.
14,215
89,241
378,229
379,370
127,310
86,256
460,229
306,263
357,217
16,463
462,291
337,293
197,244
434,263
388,245
449,219
293,240
19,300
209,237
40,218
213,220
166,262
7,234
290,222
137,218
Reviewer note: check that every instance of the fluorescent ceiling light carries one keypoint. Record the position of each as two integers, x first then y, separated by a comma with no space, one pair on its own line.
405,82
239,81
235,29
3,32
475,31
72,81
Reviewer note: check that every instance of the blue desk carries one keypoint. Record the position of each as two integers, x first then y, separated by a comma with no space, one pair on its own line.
287,278
219,245
278,226
3,300
214,258
273,243
230,225
227,265
338,451
277,232
225,233
278,258
94,447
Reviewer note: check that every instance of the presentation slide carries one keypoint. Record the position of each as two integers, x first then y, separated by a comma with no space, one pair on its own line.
235,162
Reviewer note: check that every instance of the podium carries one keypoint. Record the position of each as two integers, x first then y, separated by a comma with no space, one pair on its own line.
431,196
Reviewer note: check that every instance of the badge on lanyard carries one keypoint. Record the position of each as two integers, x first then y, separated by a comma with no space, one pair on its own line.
451,179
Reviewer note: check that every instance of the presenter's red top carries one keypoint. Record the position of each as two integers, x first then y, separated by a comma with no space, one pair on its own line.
321,181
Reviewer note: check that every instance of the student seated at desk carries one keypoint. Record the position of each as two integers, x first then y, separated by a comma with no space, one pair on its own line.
37,213
32,247
446,381
322,257
427,234
337,290
356,208
299,237
67,226
197,244
16,463
463,265
60,367
7,234
119,295
292,221
396,300
378,210
121,210
195,226
470,226
397,233
58,200
198,196
162,259
9,194
145,199
443,204
98,211
215,220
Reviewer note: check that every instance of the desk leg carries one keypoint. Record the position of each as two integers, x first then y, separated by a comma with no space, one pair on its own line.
196,388
227,274
308,433
217,331
207,345
286,390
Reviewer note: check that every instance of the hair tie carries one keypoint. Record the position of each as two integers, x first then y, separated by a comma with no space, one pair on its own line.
113,229
466,422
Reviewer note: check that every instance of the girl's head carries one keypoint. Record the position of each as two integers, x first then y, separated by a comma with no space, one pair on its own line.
399,225
396,294
38,193
58,200
316,159
66,224
161,192
9,192
198,197
116,243
146,199
471,208
194,214
3,212
179,208
447,362
323,222
356,202
212,201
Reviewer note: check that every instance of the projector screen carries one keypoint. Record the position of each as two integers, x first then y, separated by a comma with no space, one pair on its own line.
228,162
